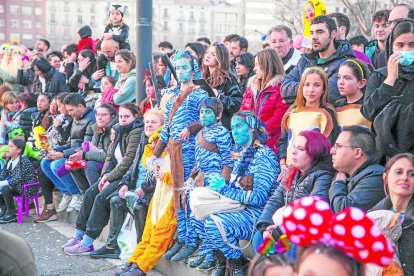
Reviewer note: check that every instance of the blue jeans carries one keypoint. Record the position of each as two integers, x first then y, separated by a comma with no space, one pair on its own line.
65,184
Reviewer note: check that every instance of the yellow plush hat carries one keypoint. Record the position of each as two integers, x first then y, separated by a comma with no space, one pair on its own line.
319,8
155,135
149,149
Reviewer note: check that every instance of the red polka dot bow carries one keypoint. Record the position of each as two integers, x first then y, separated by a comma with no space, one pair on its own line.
310,220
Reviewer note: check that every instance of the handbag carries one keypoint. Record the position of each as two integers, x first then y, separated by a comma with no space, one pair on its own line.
204,202
127,238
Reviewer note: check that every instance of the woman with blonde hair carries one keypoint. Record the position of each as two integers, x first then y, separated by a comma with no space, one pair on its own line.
10,115
216,66
262,95
9,66
310,111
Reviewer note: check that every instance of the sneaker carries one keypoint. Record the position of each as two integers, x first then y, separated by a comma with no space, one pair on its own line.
71,242
125,268
75,203
105,252
8,217
64,203
196,262
78,250
207,265
47,215
134,271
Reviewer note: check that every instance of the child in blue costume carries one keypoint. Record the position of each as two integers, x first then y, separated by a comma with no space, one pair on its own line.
179,131
213,156
252,182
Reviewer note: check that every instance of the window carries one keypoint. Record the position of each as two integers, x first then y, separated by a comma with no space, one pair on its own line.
27,36
14,9
180,27
337,9
38,24
26,24
38,11
165,26
192,16
165,12
92,21
52,18
1,9
93,8
52,31
2,36
344,10
66,33
27,10
79,21
1,22
14,36
14,24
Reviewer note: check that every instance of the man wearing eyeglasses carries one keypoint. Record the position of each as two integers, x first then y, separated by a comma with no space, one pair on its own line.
359,180
375,49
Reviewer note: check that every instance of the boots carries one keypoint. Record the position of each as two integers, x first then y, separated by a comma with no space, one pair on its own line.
173,250
220,268
236,267
184,253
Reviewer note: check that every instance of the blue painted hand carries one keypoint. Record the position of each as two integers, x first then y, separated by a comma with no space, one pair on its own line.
216,182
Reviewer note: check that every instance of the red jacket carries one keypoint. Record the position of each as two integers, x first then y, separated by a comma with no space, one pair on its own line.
268,106
86,43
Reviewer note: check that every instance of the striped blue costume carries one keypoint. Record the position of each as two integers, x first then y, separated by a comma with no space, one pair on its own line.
210,163
238,226
186,114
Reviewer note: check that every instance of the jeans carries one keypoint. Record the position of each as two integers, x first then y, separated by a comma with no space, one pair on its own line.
95,210
65,184
85,177
117,218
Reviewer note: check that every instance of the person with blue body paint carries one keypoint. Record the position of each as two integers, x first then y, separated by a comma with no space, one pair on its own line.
213,156
252,181
179,131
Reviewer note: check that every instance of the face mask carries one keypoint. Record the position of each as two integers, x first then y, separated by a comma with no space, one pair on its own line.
407,58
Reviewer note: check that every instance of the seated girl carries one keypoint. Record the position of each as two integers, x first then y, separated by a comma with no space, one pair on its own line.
352,78
310,111
252,182
17,172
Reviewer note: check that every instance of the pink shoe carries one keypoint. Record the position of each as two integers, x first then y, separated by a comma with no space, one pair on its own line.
71,242
78,250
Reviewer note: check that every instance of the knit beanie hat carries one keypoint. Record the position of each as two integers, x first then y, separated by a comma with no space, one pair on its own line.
214,104
85,32
117,6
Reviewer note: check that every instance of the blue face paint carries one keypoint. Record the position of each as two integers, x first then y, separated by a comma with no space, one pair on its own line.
241,132
183,69
207,117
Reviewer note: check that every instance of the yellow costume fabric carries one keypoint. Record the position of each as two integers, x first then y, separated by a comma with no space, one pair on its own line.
350,115
308,118
319,8
161,222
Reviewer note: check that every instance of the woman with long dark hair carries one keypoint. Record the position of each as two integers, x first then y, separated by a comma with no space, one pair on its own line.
216,66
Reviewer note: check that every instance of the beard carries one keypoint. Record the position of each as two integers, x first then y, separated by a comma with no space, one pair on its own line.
322,49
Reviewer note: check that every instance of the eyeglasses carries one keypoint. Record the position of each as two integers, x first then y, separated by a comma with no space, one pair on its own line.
337,146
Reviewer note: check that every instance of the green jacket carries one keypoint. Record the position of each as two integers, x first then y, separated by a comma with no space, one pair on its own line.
126,86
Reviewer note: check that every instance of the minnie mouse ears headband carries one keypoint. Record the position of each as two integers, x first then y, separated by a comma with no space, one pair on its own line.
309,220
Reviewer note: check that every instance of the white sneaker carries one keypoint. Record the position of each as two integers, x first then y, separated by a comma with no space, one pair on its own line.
76,203
66,199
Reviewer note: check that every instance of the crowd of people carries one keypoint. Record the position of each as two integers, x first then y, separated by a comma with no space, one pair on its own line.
320,128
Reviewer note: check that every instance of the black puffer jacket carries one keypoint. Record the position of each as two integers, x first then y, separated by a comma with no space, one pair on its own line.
80,131
391,109
55,83
315,181
128,138
231,98
406,241
26,121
